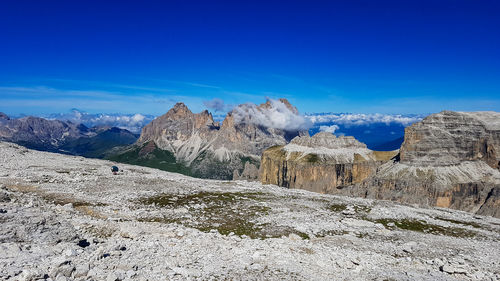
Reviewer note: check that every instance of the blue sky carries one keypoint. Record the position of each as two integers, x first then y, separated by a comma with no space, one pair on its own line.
324,56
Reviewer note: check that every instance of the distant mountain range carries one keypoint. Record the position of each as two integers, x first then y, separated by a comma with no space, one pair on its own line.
64,136
130,122
228,147
377,131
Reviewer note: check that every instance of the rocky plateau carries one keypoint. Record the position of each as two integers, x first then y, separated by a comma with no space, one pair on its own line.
449,159
69,218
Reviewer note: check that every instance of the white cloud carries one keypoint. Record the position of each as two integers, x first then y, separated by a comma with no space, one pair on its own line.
131,122
329,129
278,115
348,119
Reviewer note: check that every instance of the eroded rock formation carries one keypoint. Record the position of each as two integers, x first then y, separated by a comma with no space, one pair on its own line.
450,159
211,150
322,163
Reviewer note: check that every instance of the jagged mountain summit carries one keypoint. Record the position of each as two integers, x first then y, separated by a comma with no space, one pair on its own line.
193,143
449,159
63,136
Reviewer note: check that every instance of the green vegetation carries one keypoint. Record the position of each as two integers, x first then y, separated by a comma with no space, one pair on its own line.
100,145
362,209
204,197
226,212
422,226
473,224
337,207
359,209
312,158
204,166
151,156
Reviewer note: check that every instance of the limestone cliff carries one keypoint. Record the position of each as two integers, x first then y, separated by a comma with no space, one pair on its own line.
450,159
449,138
322,163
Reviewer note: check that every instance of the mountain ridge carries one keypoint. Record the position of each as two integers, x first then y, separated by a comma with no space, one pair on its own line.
214,150
449,159
63,136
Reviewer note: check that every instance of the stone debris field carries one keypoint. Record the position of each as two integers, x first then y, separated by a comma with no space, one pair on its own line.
70,218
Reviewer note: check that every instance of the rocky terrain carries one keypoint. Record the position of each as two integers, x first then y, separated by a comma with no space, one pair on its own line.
68,218
63,136
322,163
195,145
450,159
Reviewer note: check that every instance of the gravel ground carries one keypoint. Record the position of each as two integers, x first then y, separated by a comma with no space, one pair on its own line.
69,218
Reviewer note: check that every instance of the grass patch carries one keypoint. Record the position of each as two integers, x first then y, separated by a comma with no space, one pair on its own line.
424,227
359,209
312,158
204,197
473,224
337,207
227,212
362,209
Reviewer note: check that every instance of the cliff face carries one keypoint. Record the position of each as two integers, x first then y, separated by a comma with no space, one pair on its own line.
449,138
322,163
210,150
450,159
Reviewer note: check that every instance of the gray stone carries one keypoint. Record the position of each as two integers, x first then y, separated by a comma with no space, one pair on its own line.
81,270
451,269
4,196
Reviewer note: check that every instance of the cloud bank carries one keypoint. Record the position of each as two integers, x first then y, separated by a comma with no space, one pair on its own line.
131,122
273,114
348,119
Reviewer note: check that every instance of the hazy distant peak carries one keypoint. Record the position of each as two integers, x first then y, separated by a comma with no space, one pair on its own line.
4,116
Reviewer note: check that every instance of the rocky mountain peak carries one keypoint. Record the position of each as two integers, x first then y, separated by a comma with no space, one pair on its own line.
228,121
269,104
204,119
180,110
199,142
